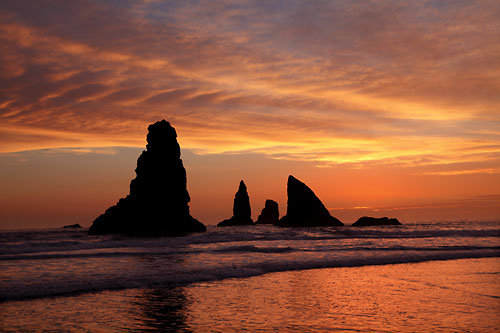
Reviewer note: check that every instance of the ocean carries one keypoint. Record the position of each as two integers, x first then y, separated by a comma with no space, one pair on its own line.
245,278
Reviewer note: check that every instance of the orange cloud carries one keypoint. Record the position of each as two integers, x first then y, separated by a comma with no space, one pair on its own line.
387,107
331,83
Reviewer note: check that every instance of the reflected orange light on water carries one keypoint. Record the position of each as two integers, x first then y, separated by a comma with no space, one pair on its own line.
403,298
457,295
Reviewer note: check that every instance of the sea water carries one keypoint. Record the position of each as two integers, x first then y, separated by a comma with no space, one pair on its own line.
60,270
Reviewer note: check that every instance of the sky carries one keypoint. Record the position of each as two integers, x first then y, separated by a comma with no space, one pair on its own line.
384,108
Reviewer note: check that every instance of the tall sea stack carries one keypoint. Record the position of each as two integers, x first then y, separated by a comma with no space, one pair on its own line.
304,208
158,201
241,209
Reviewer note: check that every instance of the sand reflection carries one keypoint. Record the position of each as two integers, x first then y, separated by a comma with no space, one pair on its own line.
165,309
445,295
456,295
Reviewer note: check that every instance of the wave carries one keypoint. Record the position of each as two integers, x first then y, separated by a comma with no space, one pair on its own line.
251,248
15,244
32,289
60,262
237,249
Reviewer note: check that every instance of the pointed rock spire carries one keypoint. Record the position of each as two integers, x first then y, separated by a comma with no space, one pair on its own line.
241,209
304,208
270,213
158,200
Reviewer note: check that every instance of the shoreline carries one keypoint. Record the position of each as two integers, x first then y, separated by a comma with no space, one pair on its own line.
456,294
255,274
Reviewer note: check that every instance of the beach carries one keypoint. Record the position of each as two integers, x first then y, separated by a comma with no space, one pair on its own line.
451,295
417,277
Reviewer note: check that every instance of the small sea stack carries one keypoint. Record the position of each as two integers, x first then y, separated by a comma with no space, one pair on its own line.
242,214
270,213
366,221
158,201
304,208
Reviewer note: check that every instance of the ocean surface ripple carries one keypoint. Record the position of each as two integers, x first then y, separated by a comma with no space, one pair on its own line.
49,262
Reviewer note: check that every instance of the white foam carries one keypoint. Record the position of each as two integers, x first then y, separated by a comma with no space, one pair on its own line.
55,262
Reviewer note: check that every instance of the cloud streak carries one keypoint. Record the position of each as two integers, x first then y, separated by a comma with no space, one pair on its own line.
325,81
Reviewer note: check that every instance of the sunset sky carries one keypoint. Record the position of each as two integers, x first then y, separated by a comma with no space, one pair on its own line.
384,108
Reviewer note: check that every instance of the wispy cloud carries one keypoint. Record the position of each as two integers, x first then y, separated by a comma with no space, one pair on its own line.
464,172
327,82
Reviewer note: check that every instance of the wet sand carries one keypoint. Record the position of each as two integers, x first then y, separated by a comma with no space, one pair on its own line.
454,295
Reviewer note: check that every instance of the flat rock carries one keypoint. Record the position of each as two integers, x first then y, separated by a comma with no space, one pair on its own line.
157,204
241,209
270,213
304,208
72,226
374,221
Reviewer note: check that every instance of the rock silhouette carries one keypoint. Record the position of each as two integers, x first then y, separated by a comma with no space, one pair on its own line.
372,221
304,208
72,226
241,209
158,201
270,213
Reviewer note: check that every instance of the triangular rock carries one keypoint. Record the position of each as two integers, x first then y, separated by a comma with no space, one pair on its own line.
270,213
158,200
241,209
304,208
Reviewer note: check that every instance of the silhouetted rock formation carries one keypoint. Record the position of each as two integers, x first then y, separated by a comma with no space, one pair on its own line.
241,209
304,208
72,226
270,213
372,221
158,201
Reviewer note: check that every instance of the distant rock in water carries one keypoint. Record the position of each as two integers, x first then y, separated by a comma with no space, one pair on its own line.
270,213
158,201
372,221
72,226
241,209
304,208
